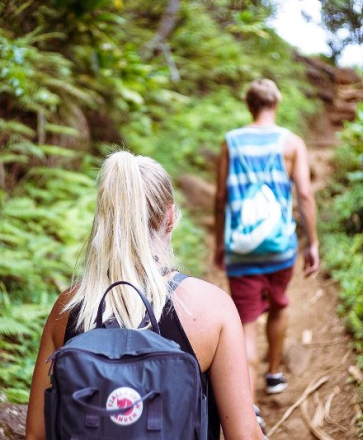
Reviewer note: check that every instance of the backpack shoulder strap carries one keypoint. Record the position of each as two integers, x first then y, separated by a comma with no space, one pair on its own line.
172,286
242,160
270,161
150,312
176,280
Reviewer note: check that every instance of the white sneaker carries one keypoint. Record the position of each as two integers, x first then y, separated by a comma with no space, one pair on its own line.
275,385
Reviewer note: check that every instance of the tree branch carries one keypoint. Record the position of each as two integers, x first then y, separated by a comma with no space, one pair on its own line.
165,27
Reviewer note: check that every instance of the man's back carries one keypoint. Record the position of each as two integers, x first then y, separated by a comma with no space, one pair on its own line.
256,154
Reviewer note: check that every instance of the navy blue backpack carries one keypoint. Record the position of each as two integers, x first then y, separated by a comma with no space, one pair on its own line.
117,383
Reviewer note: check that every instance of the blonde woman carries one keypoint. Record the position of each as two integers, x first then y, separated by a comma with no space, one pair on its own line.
130,240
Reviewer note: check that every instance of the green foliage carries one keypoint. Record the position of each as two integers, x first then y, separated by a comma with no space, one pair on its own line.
20,329
343,20
350,156
41,238
43,231
205,56
39,79
341,231
342,228
38,86
195,127
76,77
189,245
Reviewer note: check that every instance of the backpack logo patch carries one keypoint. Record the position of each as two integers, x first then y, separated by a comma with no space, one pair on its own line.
122,398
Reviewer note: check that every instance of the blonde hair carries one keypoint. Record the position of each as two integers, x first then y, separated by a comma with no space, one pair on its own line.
129,241
262,93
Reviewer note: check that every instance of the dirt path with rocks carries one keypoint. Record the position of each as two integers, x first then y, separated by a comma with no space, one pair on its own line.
320,401
317,361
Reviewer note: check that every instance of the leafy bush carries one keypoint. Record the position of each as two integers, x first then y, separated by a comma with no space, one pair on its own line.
42,232
194,127
342,228
20,329
188,241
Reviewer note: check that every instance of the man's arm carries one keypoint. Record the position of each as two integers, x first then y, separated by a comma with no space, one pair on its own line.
307,206
220,204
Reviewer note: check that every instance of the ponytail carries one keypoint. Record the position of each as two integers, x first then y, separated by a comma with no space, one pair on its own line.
128,241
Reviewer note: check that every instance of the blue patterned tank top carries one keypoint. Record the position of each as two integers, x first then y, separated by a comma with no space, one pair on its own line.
259,146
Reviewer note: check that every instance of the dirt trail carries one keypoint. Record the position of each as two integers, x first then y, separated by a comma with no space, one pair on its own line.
317,348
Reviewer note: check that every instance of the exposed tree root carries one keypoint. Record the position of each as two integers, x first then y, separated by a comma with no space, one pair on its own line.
313,386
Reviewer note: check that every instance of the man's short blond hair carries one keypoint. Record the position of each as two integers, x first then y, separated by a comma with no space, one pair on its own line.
261,94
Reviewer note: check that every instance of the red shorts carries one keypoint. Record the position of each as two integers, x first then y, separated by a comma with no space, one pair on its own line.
255,294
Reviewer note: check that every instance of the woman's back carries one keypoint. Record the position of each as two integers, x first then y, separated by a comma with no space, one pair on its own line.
130,241
170,328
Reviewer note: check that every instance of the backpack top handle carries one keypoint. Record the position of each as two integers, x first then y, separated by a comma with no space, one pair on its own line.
150,312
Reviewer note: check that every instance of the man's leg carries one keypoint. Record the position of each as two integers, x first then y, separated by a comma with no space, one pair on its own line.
247,294
277,320
250,332
276,331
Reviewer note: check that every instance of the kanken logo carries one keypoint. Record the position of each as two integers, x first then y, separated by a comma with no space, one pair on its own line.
122,398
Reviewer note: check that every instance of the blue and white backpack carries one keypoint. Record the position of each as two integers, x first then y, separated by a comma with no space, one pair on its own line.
260,228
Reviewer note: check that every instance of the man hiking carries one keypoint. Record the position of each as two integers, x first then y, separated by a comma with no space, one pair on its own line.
276,158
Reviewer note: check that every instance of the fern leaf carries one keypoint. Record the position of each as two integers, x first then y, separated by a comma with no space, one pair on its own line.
45,37
28,148
61,129
11,158
55,150
29,312
14,263
11,327
69,176
12,126
16,395
87,97
22,7
11,239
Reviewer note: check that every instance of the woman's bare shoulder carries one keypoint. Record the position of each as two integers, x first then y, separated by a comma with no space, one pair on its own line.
205,311
58,317
202,295
203,287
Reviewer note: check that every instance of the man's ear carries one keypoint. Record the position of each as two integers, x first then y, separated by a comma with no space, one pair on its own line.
170,213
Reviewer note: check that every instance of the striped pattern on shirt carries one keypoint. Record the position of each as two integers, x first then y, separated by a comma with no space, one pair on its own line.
261,149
